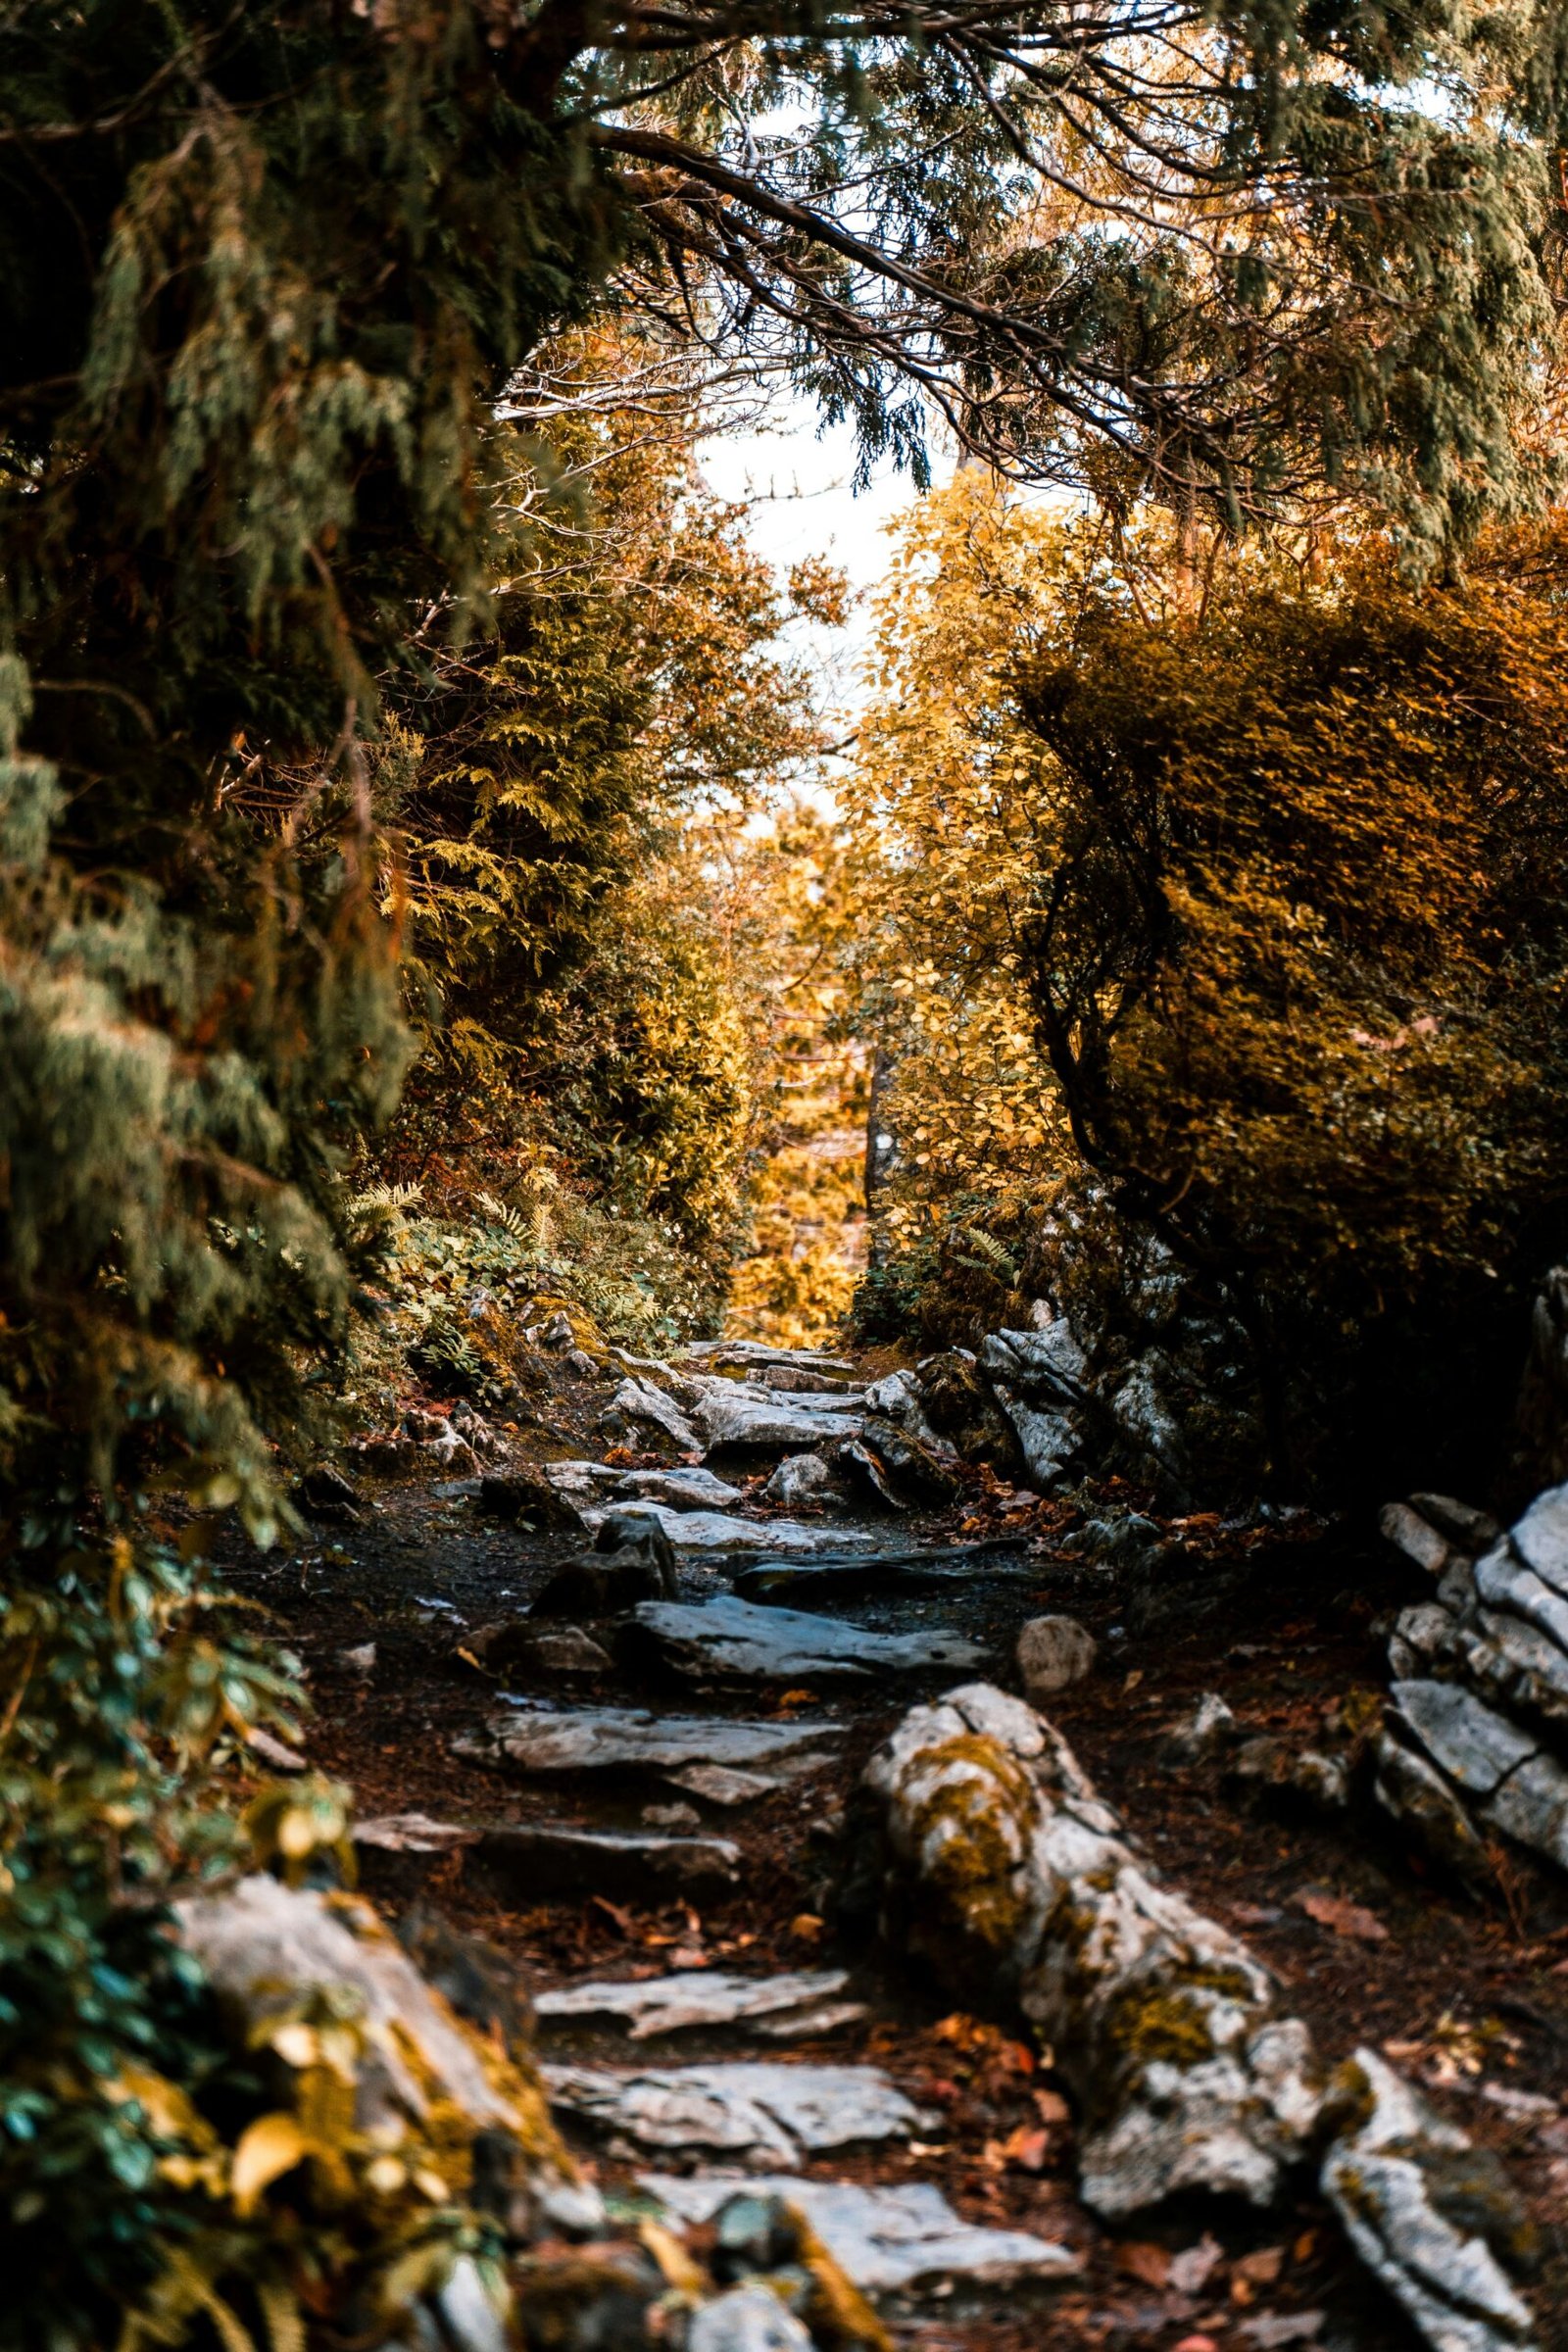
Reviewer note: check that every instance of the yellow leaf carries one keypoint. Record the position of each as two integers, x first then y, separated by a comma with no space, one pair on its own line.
269,2147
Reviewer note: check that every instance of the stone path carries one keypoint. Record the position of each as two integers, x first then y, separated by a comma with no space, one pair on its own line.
655,1738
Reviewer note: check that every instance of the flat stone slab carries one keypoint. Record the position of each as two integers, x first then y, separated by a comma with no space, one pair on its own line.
756,1352
689,1489
730,1639
1500,1580
839,1575
1541,1538
548,1739
704,1530
534,1861
751,2109
721,1785
730,1412
641,1400
1475,1747
811,2001
905,2240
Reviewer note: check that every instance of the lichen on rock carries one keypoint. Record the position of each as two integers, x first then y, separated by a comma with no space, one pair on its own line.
1002,1861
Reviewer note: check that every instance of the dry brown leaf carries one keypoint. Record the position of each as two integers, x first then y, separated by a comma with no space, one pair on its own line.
1262,2268
1195,2265
1145,2262
1342,1917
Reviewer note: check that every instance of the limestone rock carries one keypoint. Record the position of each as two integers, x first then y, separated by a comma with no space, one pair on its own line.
641,1400
1053,1653
548,1739
1409,1531
1206,1731
1504,1583
1414,1794
687,1490
898,1397
707,1997
1418,2204
747,2109
520,1645
1013,1879
757,1352
903,2240
531,1860
728,1413
530,1494
723,1785
747,2319
720,1532
1474,1746
265,1948
1419,1633
959,1406
803,1478
599,1586
727,1640
1541,1538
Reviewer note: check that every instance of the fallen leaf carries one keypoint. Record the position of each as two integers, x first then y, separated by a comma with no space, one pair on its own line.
1342,1917
1262,2268
1027,2148
1051,2107
1194,2266
1149,2264
1197,2343
807,1927
616,1911
267,2148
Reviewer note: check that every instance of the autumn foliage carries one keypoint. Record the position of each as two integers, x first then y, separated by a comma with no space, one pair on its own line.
1268,860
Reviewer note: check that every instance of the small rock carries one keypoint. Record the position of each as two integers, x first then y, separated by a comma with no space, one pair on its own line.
528,1493
1053,1653
581,1364
639,1401
1206,1731
721,1785
671,1816
360,1661
1414,1794
747,2319
470,2320
600,1585
1411,1533
1418,1635
1541,1538
802,1478
328,1494
521,1647
1470,1530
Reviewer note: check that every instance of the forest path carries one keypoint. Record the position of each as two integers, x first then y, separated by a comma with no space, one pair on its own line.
653,1844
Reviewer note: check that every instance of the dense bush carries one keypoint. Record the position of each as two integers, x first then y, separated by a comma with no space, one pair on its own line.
1269,863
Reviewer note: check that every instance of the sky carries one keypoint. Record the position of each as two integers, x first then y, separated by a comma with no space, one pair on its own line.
799,482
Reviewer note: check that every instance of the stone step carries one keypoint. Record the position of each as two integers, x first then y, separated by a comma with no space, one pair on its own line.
731,1640
808,2002
750,2109
540,1739
890,2242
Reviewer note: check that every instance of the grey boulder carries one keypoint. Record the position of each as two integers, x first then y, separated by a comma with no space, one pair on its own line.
747,2319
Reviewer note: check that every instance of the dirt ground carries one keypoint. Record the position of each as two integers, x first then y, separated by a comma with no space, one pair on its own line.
1287,1625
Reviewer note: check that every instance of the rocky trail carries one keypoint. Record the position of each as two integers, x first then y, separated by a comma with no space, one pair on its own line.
960,1899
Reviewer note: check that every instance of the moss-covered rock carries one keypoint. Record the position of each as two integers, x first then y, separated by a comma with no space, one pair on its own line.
1006,1871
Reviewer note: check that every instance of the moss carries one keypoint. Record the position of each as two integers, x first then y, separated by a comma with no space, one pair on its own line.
973,1829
